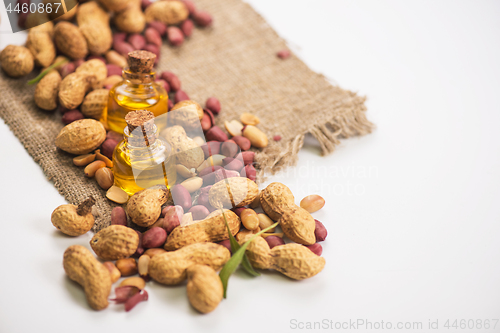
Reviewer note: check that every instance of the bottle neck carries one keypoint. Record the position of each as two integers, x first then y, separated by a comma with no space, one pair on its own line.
138,78
141,139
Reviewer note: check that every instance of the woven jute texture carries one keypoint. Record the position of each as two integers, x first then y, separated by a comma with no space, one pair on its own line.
234,60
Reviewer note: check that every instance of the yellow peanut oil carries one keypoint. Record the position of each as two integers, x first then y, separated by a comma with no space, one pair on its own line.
139,167
138,91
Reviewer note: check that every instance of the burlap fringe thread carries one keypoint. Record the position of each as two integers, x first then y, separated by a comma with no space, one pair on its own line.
328,134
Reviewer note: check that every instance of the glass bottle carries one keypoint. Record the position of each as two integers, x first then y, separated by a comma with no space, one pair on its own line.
142,159
138,91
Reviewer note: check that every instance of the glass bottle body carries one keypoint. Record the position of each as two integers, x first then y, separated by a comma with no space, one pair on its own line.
137,167
137,91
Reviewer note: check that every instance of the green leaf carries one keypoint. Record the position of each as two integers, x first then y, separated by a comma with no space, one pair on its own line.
237,258
48,69
247,266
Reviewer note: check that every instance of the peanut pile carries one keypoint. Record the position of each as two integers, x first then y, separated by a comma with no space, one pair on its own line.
167,235
173,235
158,241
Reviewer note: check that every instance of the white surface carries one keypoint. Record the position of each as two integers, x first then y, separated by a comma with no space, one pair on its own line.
412,209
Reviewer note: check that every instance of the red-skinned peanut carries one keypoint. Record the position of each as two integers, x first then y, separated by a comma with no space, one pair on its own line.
315,248
274,241
154,237
118,216
199,212
213,105
181,197
320,231
172,79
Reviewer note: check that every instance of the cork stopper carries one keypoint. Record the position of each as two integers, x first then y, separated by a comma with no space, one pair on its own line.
141,61
143,119
138,118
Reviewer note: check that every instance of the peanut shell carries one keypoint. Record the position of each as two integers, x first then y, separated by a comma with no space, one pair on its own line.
95,102
296,261
168,12
99,37
187,114
298,225
16,60
233,192
94,67
293,260
116,5
47,90
66,219
187,152
258,252
81,136
275,199
170,267
70,40
91,12
81,266
40,22
204,288
243,232
144,207
211,229
73,88
115,242
131,20
93,21
41,46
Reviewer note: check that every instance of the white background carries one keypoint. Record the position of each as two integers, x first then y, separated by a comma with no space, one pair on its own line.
412,210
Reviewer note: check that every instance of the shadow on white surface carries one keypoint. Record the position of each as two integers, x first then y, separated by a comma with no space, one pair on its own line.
76,293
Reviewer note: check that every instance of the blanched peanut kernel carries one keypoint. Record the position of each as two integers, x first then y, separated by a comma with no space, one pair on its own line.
249,219
312,203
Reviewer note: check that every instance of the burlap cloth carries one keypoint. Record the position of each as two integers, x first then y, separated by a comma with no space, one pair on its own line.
235,61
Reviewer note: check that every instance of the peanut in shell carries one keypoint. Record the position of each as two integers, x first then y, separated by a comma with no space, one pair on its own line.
293,260
81,136
82,267
233,192
115,242
170,268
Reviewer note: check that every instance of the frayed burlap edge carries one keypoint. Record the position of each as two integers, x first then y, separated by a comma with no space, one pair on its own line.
328,135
